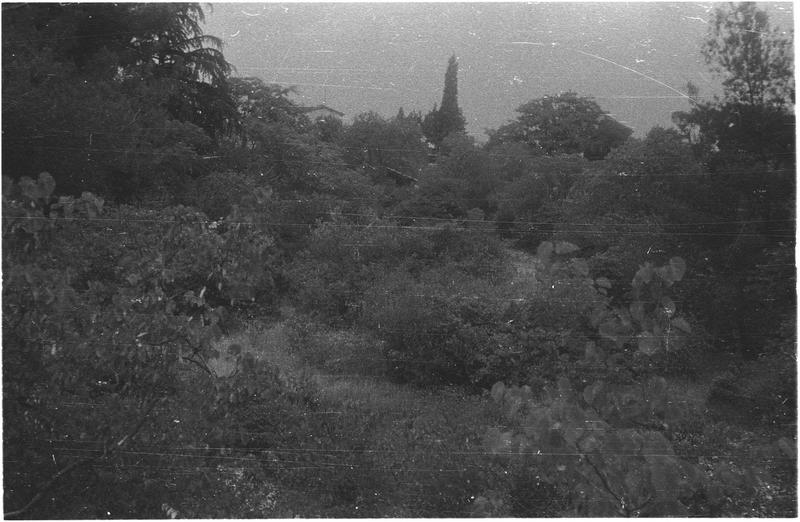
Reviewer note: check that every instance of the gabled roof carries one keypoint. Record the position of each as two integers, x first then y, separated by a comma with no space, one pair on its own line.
320,107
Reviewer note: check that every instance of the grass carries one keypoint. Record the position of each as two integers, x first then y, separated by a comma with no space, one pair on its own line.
271,345
416,452
403,451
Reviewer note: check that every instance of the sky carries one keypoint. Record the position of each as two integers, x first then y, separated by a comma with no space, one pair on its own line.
634,59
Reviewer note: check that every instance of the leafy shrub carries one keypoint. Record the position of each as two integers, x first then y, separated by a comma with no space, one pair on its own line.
428,456
762,393
342,260
435,330
518,203
472,251
333,270
626,462
447,327
637,338
216,193
460,159
617,472
444,326
437,196
115,338
530,233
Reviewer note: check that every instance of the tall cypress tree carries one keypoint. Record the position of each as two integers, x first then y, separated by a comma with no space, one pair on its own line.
448,118
450,113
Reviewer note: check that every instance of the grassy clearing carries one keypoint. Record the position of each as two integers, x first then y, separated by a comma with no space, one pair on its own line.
524,271
270,344
403,451
388,450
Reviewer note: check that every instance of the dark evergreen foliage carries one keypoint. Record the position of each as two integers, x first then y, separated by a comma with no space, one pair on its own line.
447,119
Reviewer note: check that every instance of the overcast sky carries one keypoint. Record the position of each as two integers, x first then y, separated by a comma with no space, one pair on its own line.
633,58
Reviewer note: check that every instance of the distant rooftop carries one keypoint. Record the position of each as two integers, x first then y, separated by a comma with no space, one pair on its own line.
320,108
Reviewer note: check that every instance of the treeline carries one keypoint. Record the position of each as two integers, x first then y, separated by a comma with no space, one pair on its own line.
152,200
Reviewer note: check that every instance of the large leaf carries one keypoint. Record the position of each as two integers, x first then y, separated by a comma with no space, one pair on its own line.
46,185
678,266
668,305
500,442
681,324
581,267
603,282
564,387
598,314
657,395
497,391
29,188
545,250
637,311
592,354
643,276
593,391
614,331
648,343
565,247
787,447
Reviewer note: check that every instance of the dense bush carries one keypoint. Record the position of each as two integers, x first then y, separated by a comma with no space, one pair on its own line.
343,259
437,329
216,193
626,463
373,141
617,472
437,195
518,203
461,159
103,306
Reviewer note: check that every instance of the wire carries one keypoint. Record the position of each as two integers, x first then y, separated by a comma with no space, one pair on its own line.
455,221
788,234
327,162
352,465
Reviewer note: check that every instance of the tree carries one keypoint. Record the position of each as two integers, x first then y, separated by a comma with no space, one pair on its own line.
373,141
111,309
142,42
448,119
747,136
609,135
564,124
169,42
114,98
754,59
657,176
472,167
449,112
431,126
755,117
277,143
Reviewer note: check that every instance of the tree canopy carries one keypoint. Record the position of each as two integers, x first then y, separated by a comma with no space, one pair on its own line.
753,59
114,98
754,117
564,124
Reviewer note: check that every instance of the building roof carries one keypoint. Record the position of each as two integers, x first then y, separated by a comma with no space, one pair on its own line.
320,107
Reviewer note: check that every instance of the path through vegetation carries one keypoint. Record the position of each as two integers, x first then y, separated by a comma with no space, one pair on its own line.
416,452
